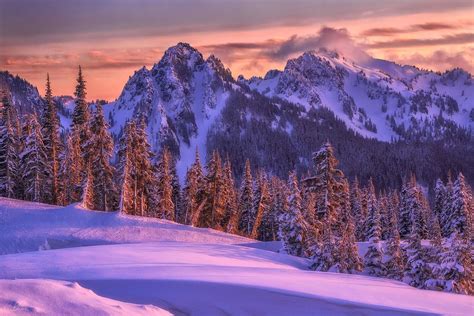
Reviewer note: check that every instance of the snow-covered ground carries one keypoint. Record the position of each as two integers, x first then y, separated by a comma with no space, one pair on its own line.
147,266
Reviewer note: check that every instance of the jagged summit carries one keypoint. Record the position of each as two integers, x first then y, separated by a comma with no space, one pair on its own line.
179,98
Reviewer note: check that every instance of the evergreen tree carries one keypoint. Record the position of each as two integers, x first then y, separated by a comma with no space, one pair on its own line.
193,191
246,202
35,164
52,143
326,184
460,219
145,173
71,172
261,202
80,116
404,222
136,173
383,205
213,211
440,196
348,256
9,160
88,190
125,170
416,271
373,256
392,210
80,134
394,263
101,146
433,255
446,210
165,208
230,221
455,268
358,212
278,206
372,207
177,198
292,225
324,256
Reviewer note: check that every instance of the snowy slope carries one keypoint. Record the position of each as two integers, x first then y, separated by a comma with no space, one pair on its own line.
179,269
49,297
27,226
377,99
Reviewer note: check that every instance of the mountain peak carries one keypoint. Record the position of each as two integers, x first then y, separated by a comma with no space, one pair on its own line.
182,53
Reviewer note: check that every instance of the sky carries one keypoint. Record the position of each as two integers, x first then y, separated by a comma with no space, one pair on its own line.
111,39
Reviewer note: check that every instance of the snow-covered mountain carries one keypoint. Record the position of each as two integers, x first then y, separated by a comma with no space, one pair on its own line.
178,99
376,98
23,95
189,102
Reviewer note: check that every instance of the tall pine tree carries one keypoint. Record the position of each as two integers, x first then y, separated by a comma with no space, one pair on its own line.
292,224
51,139
101,146
35,165
9,160
246,202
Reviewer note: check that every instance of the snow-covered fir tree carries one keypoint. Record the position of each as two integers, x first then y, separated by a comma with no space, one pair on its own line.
51,139
358,212
383,205
101,146
80,115
417,270
125,169
393,259
246,202
145,172
372,205
261,202
70,172
213,211
80,135
374,255
231,218
348,256
278,205
461,212
404,221
9,158
392,210
164,186
446,208
293,227
35,166
88,189
136,172
324,255
193,192
326,183
440,197
455,269
177,197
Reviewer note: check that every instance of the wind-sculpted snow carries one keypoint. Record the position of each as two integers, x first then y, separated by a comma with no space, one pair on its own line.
49,297
179,269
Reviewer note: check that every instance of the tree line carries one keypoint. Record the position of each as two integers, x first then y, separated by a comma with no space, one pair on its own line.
320,216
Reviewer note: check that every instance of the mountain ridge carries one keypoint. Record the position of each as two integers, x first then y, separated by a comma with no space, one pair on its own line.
188,102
